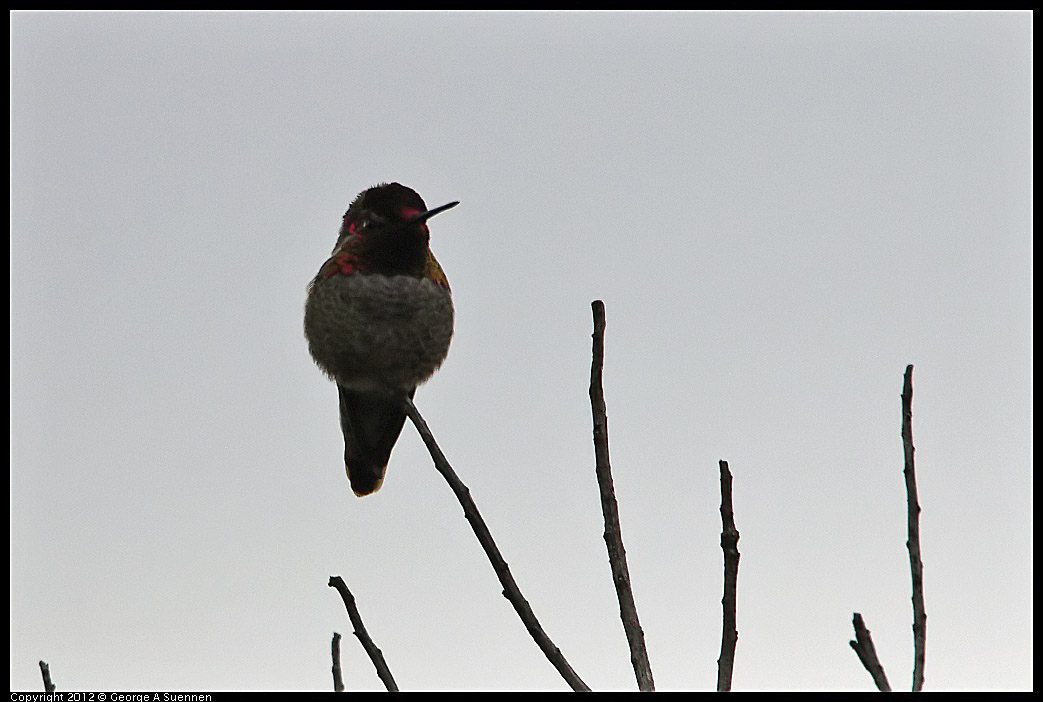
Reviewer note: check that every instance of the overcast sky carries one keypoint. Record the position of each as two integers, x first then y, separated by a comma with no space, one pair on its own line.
780,212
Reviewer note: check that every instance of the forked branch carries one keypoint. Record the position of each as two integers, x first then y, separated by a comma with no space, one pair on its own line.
863,643
363,636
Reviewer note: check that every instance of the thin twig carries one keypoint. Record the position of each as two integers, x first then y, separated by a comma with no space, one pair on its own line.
363,636
863,646
510,588
45,671
730,546
338,680
913,542
617,556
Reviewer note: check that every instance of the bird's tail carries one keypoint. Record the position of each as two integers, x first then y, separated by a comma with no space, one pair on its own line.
371,422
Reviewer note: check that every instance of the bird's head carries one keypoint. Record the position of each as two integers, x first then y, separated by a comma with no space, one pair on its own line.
390,217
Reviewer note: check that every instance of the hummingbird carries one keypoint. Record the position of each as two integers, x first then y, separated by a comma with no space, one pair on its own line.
378,320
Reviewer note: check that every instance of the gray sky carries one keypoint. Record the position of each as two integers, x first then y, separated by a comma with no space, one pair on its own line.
780,211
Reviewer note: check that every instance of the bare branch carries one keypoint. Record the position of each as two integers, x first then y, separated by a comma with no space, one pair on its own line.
338,680
363,636
510,587
863,646
913,542
613,537
45,671
730,546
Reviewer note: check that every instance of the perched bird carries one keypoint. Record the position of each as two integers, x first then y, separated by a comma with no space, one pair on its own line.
378,319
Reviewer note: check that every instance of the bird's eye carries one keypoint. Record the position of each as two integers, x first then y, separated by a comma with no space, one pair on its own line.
369,221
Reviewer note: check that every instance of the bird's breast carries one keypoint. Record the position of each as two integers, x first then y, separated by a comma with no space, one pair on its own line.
376,330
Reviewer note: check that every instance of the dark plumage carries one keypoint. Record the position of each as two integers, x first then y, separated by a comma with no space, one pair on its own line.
379,319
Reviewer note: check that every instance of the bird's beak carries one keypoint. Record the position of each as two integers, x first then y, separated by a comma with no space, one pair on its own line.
424,216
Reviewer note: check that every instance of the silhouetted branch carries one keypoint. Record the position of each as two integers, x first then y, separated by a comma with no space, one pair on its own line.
613,538
363,636
863,645
913,542
45,671
730,546
338,680
510,587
